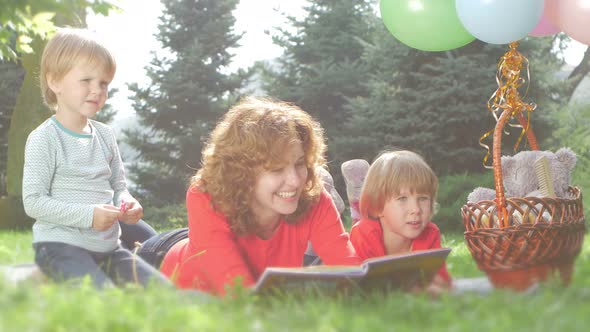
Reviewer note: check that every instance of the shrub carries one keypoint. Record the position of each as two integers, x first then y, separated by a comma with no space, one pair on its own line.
166,217
452,195
574,132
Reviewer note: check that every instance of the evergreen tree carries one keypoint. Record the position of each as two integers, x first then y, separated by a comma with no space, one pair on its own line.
321,66
188,93
435,103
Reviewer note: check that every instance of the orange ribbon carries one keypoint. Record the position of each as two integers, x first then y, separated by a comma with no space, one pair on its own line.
507,96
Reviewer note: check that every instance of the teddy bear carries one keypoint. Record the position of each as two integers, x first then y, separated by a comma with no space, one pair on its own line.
520,179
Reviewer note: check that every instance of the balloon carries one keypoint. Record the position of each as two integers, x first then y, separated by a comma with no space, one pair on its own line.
574,19
551,12
544,28
499,21
428,25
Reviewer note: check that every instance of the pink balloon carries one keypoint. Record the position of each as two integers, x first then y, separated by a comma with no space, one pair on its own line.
544,28
574,19
551,12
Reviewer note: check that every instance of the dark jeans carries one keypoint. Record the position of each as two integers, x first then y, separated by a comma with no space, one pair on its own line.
155,248
136,233
64,262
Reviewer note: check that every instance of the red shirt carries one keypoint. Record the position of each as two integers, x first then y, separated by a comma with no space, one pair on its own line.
367,238
213,255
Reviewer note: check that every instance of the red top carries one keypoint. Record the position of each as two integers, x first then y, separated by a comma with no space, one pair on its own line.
213,255
367,238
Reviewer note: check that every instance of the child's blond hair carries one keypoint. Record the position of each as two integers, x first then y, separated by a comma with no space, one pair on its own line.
66,48
391,172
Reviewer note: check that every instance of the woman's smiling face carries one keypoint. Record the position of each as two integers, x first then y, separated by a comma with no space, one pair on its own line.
277,190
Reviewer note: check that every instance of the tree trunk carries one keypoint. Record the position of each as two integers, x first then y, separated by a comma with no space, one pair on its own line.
28,113
578,74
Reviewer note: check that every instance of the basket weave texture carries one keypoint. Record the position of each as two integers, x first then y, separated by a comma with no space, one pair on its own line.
540,231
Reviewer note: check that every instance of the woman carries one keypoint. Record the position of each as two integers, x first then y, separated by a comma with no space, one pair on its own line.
256,202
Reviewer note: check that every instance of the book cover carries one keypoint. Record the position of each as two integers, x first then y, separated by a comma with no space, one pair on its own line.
406,271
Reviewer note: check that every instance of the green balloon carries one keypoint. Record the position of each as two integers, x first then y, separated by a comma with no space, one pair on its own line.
427,25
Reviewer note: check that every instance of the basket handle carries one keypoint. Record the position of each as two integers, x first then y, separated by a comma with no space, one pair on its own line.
497,159
530,134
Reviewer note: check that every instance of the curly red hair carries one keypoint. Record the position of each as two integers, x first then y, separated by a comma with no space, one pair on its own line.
253,135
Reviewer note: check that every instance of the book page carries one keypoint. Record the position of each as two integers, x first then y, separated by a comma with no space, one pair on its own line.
414,269
387,272
319,279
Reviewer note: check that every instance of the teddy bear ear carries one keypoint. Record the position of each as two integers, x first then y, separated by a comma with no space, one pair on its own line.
566,157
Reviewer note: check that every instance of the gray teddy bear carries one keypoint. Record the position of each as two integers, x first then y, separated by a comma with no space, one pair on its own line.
520,179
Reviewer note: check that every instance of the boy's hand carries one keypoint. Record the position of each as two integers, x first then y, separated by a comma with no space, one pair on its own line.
131,211
441,283
437,287
104,216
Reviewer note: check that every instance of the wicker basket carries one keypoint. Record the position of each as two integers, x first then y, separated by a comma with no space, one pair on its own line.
526,252
519,241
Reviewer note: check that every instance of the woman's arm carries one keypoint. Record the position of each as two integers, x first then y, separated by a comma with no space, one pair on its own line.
328,237
217,258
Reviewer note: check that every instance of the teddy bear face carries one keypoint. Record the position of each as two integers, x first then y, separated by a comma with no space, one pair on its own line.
518,173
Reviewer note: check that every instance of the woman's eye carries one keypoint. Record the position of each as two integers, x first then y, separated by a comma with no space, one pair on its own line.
402,198
424,198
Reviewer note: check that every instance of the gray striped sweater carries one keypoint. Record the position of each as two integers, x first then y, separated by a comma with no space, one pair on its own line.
65,175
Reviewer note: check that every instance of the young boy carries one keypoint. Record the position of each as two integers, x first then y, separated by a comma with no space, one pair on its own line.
73,177
396,204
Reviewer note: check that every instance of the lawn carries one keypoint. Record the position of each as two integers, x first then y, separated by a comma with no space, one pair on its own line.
61,308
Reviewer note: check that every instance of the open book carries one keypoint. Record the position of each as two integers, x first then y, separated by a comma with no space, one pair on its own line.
416,268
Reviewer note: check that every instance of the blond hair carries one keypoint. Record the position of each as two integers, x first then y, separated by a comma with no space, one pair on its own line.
392,172
253,136
66,48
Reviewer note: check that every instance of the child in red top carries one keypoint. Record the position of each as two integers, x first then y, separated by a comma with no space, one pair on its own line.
257,201
396,204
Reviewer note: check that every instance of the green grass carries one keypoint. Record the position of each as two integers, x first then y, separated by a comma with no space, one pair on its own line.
62,308
15,247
